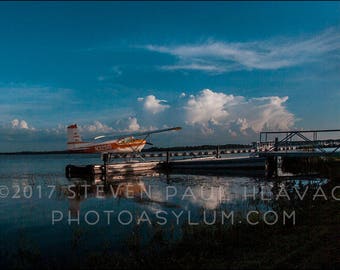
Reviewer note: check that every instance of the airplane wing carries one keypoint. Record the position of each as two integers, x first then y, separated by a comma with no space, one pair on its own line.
120,136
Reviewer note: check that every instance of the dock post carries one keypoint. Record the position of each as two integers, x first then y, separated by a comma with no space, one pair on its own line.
217,151
167,157
278,165
271,167
276,144
104,167
276,160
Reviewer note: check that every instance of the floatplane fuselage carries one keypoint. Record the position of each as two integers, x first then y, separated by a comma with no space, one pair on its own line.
121,144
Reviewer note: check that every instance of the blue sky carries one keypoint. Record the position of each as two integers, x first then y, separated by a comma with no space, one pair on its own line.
222,70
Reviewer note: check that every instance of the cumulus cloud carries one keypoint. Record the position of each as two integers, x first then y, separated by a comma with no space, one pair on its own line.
95,128
207,107
133,125
20,124
210,110
265,113
120,126
223,116
217,57
153,105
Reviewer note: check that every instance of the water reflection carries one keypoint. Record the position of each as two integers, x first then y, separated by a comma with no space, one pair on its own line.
29,213
79,191
185,198
155,192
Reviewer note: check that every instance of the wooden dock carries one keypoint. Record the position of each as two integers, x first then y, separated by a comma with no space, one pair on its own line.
111,169
205,163
271,162
213,163
271,155
196,153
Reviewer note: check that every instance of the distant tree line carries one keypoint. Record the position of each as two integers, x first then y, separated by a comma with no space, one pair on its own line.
197,147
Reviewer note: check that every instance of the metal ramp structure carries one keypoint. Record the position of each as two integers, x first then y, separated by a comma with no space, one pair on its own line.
308,138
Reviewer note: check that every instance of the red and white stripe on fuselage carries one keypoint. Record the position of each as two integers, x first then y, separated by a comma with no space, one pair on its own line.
75,144
111,146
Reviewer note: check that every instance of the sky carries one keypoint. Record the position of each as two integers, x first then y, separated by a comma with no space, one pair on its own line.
224,71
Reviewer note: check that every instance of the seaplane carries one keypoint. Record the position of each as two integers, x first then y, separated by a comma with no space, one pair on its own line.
110,144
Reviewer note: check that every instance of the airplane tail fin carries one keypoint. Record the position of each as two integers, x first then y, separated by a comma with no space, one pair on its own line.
73,137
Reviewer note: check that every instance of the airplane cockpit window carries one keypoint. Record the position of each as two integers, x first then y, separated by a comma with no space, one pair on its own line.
126,140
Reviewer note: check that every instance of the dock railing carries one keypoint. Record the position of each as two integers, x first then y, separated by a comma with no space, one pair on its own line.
308,140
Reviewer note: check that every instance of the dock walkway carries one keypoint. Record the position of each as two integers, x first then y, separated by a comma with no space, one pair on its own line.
204,163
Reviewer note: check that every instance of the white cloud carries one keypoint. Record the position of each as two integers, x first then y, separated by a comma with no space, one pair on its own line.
20,124
133,125
267,113
217,57
23,124
122,125
243,124
207,107
154,105
95,128
211,110
206,117
15,123
195,66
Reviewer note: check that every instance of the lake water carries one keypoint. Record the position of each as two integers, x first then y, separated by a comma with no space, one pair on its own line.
45,213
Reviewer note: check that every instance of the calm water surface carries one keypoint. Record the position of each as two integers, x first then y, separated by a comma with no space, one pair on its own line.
33,188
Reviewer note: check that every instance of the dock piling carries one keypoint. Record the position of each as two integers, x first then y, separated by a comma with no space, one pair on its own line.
217,151
167,157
